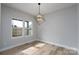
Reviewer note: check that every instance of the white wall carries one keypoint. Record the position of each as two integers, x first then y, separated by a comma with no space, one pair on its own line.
60,27
7,15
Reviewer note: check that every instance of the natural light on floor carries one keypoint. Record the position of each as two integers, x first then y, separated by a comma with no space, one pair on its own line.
32,50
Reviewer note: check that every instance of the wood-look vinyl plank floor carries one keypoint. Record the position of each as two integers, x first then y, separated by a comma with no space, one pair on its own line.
38,48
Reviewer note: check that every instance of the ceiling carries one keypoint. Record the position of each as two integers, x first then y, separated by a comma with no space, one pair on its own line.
32,8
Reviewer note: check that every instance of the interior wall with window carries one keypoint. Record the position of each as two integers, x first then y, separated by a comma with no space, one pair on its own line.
60,27
7,15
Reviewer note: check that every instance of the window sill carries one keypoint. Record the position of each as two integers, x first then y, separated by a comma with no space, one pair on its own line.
20,37
28,36
17,37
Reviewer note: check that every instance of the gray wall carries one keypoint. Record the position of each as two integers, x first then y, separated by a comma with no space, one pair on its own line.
7,15
0,27
60,27
78,23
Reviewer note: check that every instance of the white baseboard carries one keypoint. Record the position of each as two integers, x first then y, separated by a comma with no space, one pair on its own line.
3,49
60,45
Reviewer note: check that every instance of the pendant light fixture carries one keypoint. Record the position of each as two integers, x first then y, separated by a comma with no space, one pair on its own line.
40,18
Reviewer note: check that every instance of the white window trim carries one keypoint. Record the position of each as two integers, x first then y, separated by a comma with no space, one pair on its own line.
23,35
32,30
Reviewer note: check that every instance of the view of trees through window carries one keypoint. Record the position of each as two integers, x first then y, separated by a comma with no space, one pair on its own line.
18,26
28,28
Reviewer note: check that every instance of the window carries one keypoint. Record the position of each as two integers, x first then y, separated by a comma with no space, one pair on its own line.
28,28
17,27
20,28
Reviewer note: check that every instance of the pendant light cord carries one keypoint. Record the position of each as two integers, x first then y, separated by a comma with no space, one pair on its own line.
39,7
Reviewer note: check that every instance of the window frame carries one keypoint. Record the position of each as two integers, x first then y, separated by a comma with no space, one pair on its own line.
23,30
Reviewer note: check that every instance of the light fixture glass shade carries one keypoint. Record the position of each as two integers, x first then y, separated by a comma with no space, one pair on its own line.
40,18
